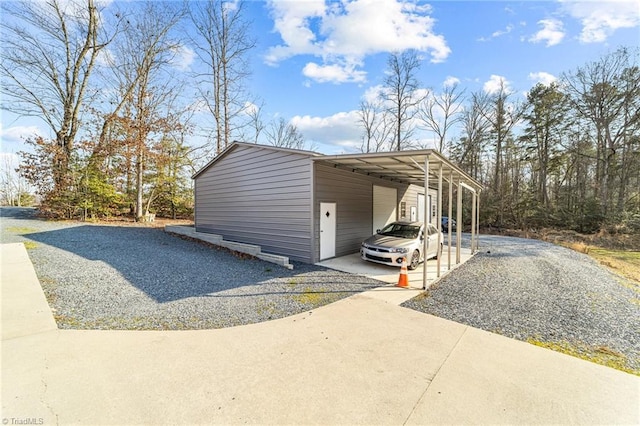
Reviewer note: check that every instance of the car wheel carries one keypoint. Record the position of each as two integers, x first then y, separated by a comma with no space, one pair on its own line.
415,260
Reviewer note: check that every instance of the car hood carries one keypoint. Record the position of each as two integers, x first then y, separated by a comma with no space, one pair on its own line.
386,241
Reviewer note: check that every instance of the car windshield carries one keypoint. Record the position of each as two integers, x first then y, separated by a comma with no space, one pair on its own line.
400,230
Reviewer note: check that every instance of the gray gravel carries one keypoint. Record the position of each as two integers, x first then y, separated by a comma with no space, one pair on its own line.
530,289
126,277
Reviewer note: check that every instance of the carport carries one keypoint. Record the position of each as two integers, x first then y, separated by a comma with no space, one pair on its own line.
426,168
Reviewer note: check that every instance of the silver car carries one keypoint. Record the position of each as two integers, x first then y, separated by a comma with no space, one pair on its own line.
399,240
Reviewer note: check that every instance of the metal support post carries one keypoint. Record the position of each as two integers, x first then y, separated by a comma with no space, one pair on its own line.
425,246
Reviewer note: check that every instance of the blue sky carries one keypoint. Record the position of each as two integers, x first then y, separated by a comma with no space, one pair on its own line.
316,60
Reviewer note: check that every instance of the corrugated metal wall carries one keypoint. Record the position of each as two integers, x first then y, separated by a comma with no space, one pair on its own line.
353,194
411,198
258,196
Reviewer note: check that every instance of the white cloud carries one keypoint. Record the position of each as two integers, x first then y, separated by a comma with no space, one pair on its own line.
495,84
346,32
292,21
552,32
17,134
372,94
340,129
183,58
334,73
542,77
450,81
600,19
497,34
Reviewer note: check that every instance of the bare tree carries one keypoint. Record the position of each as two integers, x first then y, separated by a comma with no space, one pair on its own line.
368,117
501,115
284,135
48,56
468,152
606,94
439,112
377,125
401,85
254,123
223,43
13,186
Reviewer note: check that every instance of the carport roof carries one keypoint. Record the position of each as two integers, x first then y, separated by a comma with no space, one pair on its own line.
400,166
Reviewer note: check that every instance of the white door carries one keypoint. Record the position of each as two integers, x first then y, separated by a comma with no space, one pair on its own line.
327,230
385,202
421,208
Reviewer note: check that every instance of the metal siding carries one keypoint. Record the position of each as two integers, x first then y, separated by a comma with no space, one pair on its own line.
385,206
258,196
353,193
411,198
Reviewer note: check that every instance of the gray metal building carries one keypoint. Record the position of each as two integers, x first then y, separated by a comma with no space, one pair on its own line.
312,207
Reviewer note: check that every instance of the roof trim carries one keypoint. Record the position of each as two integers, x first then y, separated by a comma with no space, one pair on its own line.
236,144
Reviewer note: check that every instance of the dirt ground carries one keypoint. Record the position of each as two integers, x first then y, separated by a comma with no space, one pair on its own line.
158,222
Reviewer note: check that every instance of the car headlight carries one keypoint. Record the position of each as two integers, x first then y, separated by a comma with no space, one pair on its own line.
399,250
364,245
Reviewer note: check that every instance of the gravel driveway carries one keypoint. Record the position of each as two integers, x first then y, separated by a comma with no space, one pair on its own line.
132,277
535,291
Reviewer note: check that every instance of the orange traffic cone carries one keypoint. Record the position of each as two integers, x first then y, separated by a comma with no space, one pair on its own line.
403,281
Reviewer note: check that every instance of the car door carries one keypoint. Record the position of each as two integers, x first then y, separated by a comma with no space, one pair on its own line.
433,240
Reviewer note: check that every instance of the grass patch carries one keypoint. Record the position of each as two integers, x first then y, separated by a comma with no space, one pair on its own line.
268,309
310,296
625,263
600,355
424,295
580,247
21,230
30,245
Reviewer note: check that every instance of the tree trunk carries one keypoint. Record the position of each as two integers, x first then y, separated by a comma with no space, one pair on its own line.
139,186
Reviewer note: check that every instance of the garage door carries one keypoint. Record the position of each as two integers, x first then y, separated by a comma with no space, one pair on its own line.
385,201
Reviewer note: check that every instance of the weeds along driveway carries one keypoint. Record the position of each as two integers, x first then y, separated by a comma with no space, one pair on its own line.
134,277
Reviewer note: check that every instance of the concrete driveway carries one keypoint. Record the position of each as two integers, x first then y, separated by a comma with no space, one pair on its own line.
362,360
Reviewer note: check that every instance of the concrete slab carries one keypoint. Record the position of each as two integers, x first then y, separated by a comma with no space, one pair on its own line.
393,294
25,309
354,264
251,249
491,379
